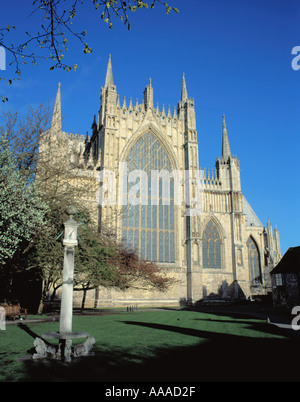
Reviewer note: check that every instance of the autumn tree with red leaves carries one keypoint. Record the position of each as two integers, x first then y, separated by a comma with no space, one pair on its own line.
133,272
100,260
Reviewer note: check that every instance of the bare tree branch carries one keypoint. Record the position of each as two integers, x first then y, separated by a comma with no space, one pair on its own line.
57,16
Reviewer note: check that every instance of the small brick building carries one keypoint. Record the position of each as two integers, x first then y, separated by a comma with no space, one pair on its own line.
286,279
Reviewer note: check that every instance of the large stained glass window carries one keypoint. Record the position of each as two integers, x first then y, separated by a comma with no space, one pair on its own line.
211,247
254,263
148,222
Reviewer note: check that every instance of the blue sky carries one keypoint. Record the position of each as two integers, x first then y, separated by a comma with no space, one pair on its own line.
236,56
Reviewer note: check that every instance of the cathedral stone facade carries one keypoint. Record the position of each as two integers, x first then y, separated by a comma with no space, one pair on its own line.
195,223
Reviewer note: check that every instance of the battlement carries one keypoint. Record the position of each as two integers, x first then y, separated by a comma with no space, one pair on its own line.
73,136
209,179
224,161
138,111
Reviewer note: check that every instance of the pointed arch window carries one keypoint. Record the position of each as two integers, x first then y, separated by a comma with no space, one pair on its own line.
152,218
254,262
211,247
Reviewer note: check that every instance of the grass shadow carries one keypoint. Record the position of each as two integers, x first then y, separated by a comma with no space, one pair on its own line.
217,357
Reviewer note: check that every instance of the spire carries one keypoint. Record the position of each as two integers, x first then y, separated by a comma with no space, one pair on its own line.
184,94
169,111
225,141
174,113
130,107
56,117
109,75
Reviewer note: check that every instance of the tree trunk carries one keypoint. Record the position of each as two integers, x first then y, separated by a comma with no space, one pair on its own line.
54,292
83,299
45,290
42,299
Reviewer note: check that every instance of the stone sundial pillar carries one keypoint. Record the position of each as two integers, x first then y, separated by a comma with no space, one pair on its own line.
64,349
70,241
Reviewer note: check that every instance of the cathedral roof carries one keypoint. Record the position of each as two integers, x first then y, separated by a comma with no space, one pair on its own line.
251,218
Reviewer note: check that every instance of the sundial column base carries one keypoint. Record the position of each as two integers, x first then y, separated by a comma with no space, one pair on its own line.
63,351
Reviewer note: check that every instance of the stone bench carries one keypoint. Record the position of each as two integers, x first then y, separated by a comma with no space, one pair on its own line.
15,311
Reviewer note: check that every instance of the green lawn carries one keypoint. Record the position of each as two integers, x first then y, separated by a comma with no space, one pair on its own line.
164,345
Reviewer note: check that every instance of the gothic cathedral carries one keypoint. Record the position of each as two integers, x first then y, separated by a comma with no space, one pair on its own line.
194,223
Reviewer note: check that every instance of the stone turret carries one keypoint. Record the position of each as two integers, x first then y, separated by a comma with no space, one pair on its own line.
273,243
108,97
277,243
186,111
148,96
186,114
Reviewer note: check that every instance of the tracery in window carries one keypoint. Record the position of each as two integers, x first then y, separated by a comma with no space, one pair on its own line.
254,262
211,247
148,227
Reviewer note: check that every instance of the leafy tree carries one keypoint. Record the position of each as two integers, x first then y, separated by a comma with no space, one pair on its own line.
22,210
93,260
57,16
45,257
21,135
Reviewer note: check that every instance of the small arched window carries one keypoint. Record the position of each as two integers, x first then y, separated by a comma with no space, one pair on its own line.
211,247
254,262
